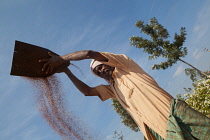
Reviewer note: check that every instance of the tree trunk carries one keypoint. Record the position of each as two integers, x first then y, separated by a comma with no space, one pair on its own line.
208,76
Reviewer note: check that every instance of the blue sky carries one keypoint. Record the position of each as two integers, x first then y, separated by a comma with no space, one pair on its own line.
69,25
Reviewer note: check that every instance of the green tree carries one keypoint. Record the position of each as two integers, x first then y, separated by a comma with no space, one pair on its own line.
127,120
199,97
117,135
160,45
120,136
195,75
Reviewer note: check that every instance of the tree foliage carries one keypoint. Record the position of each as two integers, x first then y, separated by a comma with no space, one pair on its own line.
127,120
195,75
159,45
199,98
118,136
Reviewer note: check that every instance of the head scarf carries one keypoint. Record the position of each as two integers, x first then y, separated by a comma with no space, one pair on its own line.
93,64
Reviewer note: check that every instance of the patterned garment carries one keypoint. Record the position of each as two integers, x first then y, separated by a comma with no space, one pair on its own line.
153,135
186,123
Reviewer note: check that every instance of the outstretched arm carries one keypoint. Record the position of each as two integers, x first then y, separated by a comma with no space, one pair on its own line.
56,61
84,54
81,86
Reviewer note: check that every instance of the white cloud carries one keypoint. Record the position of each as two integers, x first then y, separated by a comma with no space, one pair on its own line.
109,137
197,54
179,71
93,36
201,28
196,28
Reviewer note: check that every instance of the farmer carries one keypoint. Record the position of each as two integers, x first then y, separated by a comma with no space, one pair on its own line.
157,114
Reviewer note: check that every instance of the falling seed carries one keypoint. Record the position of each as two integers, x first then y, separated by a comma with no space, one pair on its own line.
51,105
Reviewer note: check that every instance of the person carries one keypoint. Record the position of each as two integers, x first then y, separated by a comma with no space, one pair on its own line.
157,114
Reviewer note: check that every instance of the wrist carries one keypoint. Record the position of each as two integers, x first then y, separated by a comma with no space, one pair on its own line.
65,57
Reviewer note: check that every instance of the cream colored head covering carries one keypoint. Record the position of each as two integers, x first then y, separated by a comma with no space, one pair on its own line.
93,64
